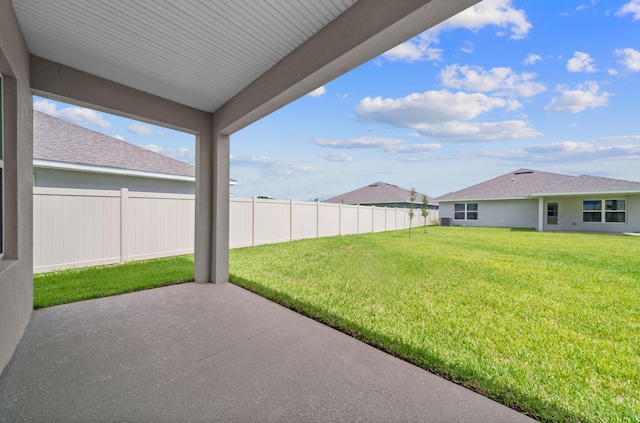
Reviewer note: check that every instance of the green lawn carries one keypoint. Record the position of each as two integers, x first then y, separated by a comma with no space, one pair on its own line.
547,323
73,285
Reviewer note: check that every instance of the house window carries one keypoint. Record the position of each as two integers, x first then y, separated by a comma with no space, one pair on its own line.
465,211
604,211
553,213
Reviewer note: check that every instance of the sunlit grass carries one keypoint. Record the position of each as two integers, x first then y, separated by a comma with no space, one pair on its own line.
68,286
547,323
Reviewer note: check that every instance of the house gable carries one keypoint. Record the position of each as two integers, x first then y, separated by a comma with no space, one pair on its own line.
382,194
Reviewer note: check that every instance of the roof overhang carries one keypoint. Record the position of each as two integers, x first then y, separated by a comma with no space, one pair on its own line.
239,60
483,199
585,193
79,167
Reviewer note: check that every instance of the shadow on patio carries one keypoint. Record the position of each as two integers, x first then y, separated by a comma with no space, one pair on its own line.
205,352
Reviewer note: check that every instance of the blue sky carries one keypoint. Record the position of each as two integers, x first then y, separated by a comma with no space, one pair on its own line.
553,86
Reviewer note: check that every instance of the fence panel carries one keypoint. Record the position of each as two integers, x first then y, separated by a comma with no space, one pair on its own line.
365,219
349,220
329,219
305,220
159,225
272,221
241,222
379,219
76,228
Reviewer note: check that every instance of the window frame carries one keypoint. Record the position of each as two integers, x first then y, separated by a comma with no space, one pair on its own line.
599,210
467,213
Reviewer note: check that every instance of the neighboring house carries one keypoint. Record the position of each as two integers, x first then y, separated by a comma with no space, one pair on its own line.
546,201
381,194
70,156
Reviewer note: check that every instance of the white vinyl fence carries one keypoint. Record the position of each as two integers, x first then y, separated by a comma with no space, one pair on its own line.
76,228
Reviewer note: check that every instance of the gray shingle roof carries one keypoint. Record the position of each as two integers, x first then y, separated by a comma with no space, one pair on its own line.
588,183
524,183
58,140
378,193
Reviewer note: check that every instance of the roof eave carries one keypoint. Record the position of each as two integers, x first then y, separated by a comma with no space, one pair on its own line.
78,167
565,194
482,199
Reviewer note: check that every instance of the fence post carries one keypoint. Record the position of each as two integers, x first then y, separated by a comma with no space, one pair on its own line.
385,218
358,219
339,219
124,233
318,219
253,223
373,218
291,220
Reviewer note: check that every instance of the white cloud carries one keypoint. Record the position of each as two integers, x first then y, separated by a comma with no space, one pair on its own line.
337,156
416,49
630,58
427,107
415,148
183,154
273,167
318,92
139,128
586,96
621,138
118,137
532,59
440,114
580,62
612,72
500,13
586,5
153,147
467,47
478,131
501,81
631,8
569,151
390,145
361,142
78,115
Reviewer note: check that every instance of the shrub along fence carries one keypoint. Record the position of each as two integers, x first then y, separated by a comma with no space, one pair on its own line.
77,228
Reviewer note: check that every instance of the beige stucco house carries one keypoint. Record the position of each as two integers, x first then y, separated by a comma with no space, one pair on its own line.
215,69
546,201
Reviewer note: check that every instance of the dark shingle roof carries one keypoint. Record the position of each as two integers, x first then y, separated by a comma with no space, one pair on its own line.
378,193
524,183
58,140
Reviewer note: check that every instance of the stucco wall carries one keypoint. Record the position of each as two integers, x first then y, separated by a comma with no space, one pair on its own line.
571,214
16,274
498,213
56,178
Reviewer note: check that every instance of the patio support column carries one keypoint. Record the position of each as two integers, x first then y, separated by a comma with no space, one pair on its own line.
540,214
204,201
220,209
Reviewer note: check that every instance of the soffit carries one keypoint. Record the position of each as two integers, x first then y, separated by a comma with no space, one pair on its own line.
195,53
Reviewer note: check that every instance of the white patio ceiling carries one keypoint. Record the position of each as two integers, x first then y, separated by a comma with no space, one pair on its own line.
197,53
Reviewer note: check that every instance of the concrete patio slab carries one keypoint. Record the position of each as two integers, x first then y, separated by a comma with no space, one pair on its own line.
208,353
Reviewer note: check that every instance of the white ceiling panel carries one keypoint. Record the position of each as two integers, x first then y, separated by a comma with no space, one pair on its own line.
198,53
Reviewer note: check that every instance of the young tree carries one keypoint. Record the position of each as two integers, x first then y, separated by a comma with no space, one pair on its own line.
425,210
412,203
